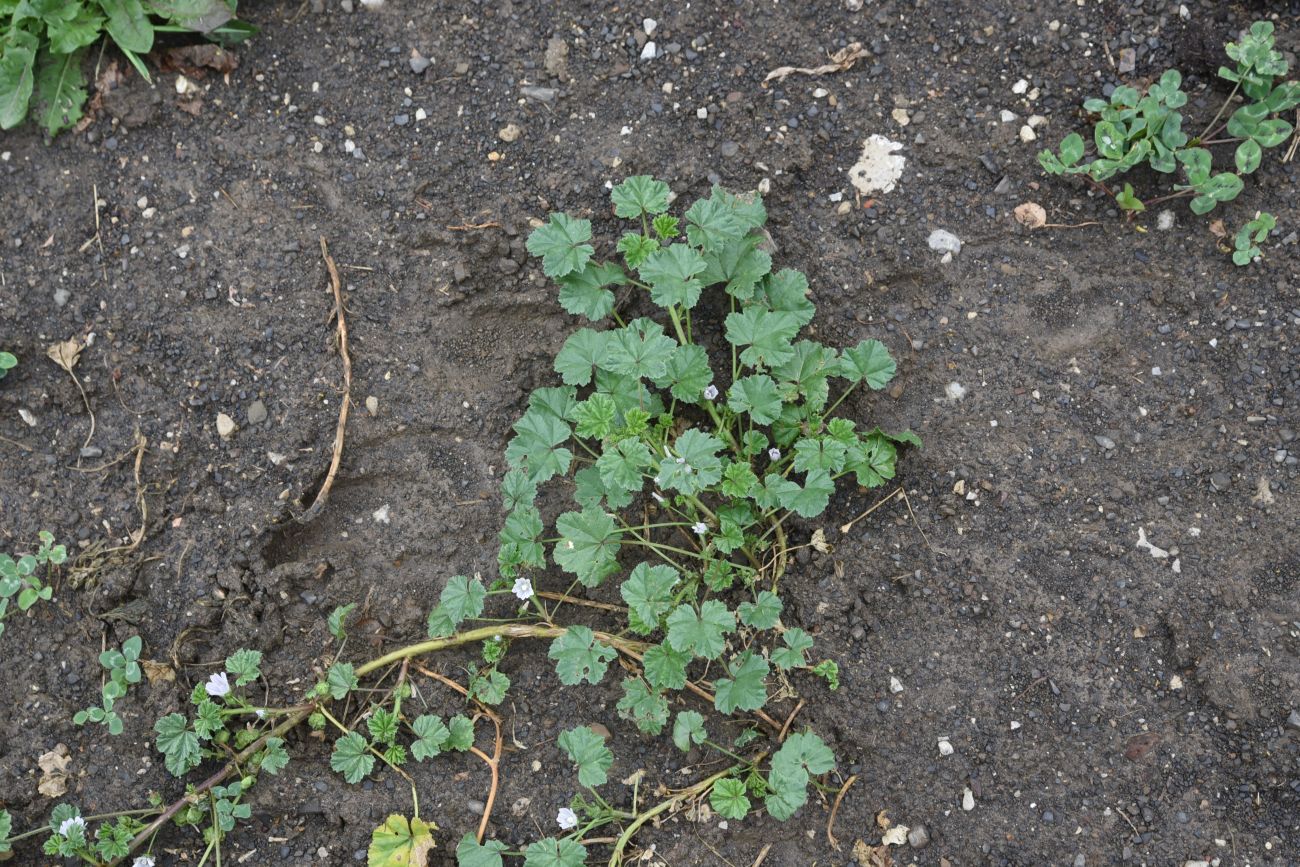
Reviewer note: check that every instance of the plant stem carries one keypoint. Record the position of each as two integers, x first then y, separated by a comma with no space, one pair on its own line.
1222,109
846,393
45,829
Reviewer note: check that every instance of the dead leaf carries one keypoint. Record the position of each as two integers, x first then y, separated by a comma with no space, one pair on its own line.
1263,493
54,772
1031,215
883,821
194,60
1217,229
840,61
871,856
66,353
1139,745
819,542
157,671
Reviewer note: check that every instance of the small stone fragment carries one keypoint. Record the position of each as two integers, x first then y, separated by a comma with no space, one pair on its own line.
225,425
649,51
508,133
967,799
372,405
943,241
256,412
918,837
419,63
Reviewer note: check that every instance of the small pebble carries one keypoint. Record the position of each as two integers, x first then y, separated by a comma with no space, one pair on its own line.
225,425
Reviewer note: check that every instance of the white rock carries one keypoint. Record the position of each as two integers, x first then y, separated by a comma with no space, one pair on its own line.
276,458
895,836
1165,220
381,515
820,93
836,196
649,26
878,167
648,52
1020,87
702,113
1037,120
765,186
1027,134
1008,116
967,799
1015,724
26,415
954,391
225,425
945,748
1156,552
1175,682
895,685
421,114
941,240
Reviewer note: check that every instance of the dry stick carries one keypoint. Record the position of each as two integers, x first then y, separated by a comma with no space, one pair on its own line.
493,763
24,447
844,528
1068,225
1295,140
835,808
573,600
323,494
762,855
780,737
917,523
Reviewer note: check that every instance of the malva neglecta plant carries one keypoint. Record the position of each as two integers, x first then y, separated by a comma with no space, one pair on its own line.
43,44
1135,128
686,459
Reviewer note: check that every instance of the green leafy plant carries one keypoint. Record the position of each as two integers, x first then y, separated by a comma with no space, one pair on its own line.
1146,128
21,577
8,361
123,670
43,43
1250,236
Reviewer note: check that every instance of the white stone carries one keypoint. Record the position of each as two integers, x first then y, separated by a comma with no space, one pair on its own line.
1015,724
1027,134
878,167
1037,120
967,799
1020,87
954,391
382,514
225,425
1165,220
702,113
648,52
1175,682
895,685
941,240
1008,116
421,114
945,748
649,26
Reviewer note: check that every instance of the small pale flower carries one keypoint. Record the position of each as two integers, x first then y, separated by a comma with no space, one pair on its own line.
659,498
700,528
217,685
566,819
67,825
523,589
774,453
261,713
711,392
656,481
143,861
681,460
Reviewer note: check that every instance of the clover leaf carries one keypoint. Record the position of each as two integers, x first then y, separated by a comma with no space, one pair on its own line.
587,750
562,244
579,656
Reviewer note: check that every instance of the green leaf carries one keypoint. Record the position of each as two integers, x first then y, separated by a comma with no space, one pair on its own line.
665,227
695,466
179,745
490,687
703,632
246,665
562,244
765,333
819,454
786,291
757,395
728,799
807,501
519,547
596,416
60,90
129,25
803,377
1271,133
688,729
587,750
645,707
338,618
584,292
687,373
641,350
763,613
431,737
382,725
639,194
6,827
797,643
636,248
803,750
1071,149
582,352
711,224
274,756
746,688
461,736
738,479
351,757
399,843
1248,156
747,207
68,32
461,600
579,656
872,459
786,794
536,446
665,667
588,545
621,463
648,592
740,265
590,491
550,852
17,76
208,720
673,275
341,678
470,854
869,361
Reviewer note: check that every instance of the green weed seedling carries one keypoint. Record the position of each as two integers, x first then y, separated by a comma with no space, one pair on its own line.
43,44
689,453
1136,128
22,577
8,361
123,670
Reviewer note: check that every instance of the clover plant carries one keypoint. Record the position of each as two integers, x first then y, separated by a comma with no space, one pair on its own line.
123,670
1136,128
22,577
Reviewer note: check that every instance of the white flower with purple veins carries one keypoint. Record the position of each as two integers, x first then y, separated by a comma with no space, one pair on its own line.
711,392
700,528
143,861
523,589
67,825
774,453
217,685
566,819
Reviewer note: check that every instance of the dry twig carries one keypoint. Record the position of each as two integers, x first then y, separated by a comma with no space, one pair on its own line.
323,494
835,808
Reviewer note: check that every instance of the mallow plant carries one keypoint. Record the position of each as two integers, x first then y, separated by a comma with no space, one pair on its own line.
693,430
